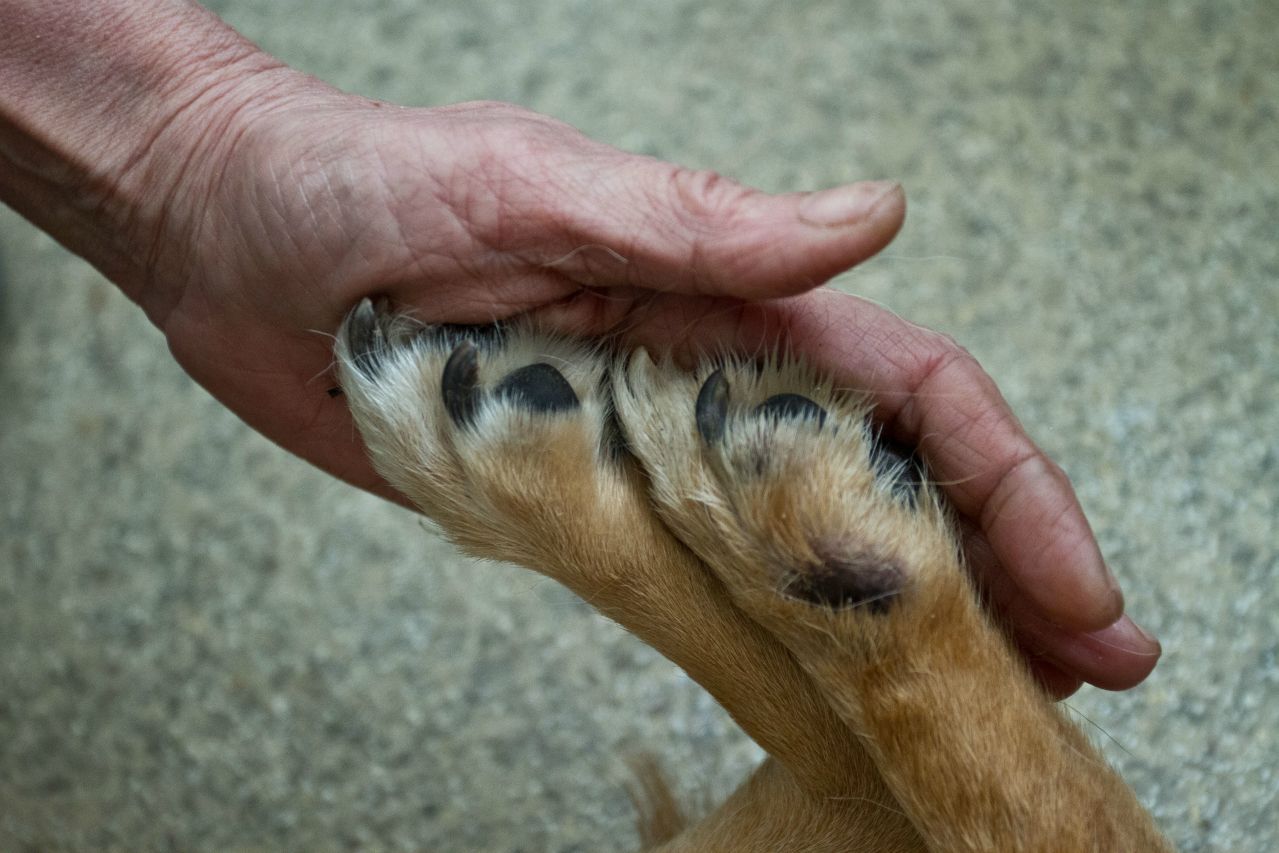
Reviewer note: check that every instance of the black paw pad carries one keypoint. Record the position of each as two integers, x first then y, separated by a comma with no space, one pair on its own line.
711,410
859,580
365,339
486,337
791,407
900,466
539,388
459,384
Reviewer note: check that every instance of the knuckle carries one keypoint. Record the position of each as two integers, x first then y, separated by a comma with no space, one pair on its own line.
705,200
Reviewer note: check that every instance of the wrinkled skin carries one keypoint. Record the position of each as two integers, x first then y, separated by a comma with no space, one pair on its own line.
261,205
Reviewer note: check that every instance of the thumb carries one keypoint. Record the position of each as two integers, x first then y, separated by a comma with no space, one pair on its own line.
699,233
603,218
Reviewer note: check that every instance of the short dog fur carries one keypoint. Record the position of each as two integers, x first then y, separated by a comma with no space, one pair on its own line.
745,520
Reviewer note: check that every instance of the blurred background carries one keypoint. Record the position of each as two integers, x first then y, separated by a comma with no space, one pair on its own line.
207,645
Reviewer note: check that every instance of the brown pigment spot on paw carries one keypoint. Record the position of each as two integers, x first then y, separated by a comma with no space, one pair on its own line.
860,579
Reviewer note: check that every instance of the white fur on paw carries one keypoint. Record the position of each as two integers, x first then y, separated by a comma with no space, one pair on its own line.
779,480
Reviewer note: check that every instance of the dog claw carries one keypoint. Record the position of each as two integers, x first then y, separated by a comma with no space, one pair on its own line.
539,388
459,384
365,339
899,462
711,410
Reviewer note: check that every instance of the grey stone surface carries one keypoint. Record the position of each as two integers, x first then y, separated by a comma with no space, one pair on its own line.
204,644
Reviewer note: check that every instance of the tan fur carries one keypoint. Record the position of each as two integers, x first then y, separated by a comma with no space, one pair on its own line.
659,816
906,728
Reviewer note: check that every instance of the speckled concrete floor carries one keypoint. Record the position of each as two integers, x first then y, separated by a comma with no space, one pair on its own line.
207,645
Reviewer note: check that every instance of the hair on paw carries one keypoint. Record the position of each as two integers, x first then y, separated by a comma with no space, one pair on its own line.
748,521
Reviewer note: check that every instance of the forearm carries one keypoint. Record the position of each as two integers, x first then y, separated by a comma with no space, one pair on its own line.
112,116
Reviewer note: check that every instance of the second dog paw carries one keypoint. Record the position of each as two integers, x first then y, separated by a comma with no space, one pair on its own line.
781,483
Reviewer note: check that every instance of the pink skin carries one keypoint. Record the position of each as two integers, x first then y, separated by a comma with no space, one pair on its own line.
280,202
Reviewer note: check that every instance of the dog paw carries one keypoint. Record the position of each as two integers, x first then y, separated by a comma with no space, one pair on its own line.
496,432
820,527
832,540
835,587
508,439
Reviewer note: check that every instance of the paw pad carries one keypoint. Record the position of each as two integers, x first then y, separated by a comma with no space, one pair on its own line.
536,387
459,384
863,579
539,388
896,465
791,407
711,408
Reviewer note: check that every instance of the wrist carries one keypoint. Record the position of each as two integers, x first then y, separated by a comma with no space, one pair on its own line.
114,115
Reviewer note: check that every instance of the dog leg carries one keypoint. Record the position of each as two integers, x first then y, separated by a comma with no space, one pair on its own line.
506,439
831,541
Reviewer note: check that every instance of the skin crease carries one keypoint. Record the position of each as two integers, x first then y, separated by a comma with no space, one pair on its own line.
271,203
